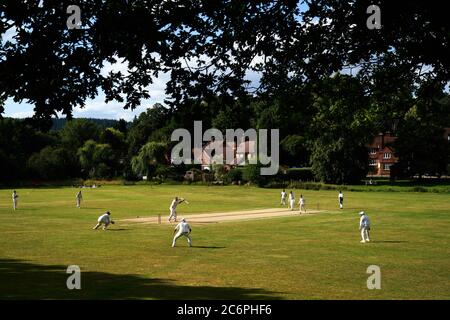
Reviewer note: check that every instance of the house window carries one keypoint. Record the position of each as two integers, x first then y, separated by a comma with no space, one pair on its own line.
387,155
372,162
387,166
448,138
373,150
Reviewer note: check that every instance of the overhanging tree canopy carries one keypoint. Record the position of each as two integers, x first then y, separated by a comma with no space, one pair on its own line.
206,46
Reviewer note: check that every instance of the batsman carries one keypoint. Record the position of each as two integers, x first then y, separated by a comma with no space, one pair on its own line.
173,208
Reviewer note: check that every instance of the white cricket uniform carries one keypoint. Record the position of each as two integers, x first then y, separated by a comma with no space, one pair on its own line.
341,200
301,202
364,226
291,201
173,209
104,219
79,197
283,198
184,229
14,199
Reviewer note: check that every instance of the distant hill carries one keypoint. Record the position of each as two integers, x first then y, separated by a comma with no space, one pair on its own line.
58,123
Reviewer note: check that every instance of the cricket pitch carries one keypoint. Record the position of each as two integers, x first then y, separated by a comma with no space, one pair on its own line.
218,217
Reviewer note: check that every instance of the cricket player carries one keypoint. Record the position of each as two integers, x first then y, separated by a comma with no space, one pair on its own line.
301,203
104,219
14,199
291,200
283,197
173,208
341,199
182,229
364,227
79,198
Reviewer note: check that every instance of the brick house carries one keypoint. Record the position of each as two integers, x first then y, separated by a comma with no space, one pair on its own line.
241,154
381,155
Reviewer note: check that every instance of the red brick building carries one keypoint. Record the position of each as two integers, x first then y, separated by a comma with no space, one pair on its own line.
242,153
381,155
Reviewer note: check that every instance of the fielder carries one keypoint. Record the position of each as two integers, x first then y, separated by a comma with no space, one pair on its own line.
364,227
104,219
301,203
79,198
173,208
291,200
341,200
283,197
14,199
182,229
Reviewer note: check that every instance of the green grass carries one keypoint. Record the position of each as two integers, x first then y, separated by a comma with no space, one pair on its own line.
311,257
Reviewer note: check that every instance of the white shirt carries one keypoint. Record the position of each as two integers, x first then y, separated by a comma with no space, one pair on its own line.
283,195
104,218
183,227
291,196
364,221
174,204
341,196
14,196
302,201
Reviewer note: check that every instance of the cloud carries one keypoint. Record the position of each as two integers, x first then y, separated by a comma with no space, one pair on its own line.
97,108
18,110
9,35
119,66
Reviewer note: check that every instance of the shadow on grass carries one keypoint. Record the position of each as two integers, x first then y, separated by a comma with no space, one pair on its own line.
206,247
24,280
390,241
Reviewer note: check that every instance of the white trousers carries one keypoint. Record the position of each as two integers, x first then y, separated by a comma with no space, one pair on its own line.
99,224
181,234
15,204
78,203
291,204
365,234
283,201
173,214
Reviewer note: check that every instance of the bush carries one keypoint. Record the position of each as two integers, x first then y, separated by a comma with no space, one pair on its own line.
233,175
305,185
251,173
219,171
102,182
276,185
419,189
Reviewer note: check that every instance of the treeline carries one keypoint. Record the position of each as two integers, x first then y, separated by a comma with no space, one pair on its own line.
59,123
326,126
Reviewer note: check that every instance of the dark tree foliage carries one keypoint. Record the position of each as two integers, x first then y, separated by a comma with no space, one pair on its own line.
340,133
51,163
206,46
18,142
395,79
421,145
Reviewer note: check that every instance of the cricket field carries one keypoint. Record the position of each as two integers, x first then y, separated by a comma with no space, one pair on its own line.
312,256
